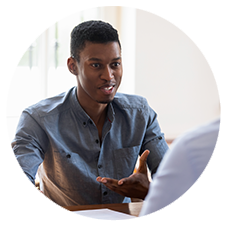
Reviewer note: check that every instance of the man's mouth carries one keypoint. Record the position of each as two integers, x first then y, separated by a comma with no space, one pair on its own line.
108,88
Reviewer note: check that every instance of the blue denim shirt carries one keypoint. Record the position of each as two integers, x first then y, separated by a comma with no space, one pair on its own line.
57,138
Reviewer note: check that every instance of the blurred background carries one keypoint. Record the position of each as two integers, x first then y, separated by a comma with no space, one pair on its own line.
159,62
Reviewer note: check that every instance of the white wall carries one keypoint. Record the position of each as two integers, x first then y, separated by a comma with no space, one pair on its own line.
159,63
128,43
194,17
172,73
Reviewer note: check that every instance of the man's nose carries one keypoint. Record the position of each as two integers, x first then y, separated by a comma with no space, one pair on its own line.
107,74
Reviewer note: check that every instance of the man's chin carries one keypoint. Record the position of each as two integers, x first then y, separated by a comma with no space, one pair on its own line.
105,101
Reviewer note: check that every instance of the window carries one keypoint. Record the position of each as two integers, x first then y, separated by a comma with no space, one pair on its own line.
42,71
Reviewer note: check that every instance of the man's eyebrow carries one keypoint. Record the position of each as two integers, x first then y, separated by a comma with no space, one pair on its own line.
98,59
115,59
94,59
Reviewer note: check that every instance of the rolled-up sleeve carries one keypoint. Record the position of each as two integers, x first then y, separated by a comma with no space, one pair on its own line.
29,145
154,141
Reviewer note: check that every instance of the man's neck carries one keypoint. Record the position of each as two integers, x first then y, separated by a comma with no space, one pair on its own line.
97,112
98,115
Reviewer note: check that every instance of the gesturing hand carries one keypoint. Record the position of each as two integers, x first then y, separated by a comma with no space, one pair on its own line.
134,186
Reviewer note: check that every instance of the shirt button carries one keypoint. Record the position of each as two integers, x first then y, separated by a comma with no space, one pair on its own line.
84,123
68,156
97,141
159,137
99,166
105,193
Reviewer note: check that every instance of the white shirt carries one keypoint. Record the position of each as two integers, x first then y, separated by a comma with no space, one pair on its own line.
181,166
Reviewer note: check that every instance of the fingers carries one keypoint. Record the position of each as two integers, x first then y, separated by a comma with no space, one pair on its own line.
144,156
99,179
112,184
142,162
106,180
127,180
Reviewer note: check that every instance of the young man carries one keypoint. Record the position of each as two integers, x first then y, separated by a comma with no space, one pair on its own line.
90,131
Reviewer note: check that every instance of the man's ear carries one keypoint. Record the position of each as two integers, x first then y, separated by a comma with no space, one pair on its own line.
72,66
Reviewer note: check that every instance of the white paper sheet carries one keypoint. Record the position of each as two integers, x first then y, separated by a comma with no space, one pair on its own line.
105,214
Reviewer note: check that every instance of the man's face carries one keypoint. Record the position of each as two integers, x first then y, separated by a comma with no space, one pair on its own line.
99,72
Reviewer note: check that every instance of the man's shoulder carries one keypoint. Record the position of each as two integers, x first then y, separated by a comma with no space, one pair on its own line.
126,101
52,105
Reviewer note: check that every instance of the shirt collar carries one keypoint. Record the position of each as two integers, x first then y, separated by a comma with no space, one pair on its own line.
110,113
82,115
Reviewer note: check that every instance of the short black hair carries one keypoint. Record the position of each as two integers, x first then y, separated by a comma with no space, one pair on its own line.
92,31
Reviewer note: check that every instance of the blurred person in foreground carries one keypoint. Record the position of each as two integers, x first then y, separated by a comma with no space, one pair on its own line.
182,165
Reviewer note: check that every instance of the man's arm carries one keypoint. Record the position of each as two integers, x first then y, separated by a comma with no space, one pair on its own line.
28,146
134,186
154,141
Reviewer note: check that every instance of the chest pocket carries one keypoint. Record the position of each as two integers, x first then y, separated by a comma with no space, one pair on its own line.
125,161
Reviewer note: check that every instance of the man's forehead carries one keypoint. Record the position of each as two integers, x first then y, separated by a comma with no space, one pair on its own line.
99,59
90,44
97,51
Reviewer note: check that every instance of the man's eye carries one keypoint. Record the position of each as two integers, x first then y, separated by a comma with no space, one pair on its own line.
115,64
95,65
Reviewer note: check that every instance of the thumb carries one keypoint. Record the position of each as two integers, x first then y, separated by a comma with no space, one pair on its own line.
142,162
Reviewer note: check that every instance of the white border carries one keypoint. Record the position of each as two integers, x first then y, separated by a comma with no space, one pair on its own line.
146,6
